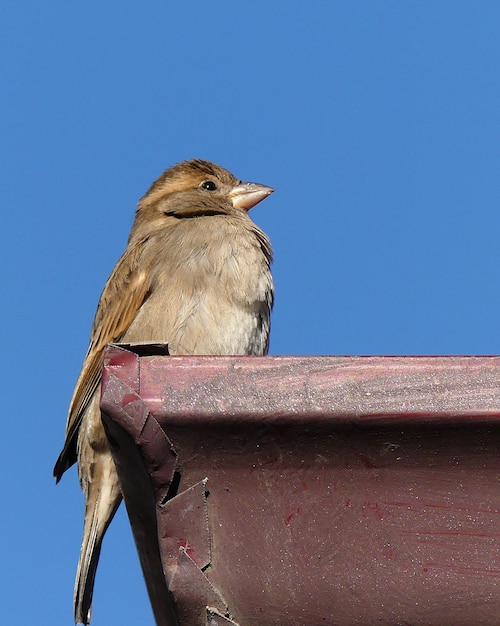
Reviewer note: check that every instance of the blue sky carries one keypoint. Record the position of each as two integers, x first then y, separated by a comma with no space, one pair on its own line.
378,123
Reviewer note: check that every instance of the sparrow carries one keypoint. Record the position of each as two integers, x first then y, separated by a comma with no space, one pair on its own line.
196,275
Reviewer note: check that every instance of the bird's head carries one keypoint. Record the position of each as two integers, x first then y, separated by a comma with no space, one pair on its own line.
193,189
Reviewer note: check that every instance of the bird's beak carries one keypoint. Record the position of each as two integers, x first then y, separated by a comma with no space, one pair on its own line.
247,195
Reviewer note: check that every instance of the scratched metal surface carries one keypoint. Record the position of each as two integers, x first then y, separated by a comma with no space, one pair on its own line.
318,490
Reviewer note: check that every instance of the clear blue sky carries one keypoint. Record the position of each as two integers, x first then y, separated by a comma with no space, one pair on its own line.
378,123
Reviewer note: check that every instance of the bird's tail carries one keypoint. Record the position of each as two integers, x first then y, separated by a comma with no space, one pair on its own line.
100,509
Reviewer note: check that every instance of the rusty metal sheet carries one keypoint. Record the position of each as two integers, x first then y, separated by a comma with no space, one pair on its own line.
318,490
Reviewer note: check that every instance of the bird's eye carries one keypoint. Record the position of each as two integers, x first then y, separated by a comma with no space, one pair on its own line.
209,185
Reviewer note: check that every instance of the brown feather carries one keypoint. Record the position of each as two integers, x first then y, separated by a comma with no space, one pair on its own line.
195,275
124,293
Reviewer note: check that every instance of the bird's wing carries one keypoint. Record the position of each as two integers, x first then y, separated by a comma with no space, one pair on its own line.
124,293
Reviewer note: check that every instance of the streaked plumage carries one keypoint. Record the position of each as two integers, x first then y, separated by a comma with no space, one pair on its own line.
195,274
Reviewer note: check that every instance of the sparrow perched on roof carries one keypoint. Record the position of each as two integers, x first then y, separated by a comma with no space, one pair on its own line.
195,274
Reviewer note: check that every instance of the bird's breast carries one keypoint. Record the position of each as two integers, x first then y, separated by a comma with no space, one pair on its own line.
211,290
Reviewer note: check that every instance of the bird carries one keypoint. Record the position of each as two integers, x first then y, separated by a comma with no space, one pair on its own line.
195,275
